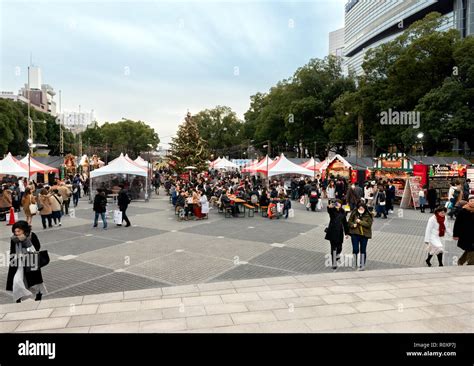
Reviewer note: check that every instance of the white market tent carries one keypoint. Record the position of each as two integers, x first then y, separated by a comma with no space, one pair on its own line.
284,166
225,164
12,166
212,164
142,162
122,165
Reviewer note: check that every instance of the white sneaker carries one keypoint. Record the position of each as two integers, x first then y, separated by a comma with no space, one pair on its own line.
362,269
60,224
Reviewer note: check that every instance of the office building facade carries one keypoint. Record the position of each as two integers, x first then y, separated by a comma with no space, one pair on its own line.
370,23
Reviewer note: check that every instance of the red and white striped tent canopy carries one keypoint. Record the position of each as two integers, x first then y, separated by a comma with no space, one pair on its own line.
37,167
12,166
313,165
253,168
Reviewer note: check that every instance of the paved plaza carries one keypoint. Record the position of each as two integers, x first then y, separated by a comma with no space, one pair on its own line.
431,300
158,251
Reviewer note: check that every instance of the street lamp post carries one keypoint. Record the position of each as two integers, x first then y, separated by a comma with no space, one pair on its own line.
420,137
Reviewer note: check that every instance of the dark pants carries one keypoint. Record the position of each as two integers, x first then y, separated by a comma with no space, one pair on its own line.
124,215
294,194
56,217
189,210
359,245
336,249
75,199
466,257
49,218
313,206
380,211
432,205
388,205
66,206
96,219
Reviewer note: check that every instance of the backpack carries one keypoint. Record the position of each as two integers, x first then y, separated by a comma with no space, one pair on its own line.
382,197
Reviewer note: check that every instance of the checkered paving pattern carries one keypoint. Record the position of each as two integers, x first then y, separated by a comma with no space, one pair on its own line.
159,251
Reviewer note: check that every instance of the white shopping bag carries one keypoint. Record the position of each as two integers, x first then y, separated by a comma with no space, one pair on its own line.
279,207
117,217
291,213
319,205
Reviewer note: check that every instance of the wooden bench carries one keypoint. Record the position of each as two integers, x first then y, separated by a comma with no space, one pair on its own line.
251,209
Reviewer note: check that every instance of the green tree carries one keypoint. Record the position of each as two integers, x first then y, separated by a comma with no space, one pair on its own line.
128,137
221,128
188,148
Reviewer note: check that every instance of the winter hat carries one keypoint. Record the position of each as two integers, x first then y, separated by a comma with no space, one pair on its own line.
471,197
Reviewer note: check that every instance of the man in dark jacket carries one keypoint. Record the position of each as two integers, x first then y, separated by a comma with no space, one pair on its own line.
390,197
123,200
463,232
100,207
336,230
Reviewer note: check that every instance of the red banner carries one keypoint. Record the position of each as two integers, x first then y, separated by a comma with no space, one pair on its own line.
421,170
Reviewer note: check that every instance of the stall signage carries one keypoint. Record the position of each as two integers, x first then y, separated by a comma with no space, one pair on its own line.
444,171
392,164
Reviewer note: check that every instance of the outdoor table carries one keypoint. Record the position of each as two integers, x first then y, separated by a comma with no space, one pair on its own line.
240,202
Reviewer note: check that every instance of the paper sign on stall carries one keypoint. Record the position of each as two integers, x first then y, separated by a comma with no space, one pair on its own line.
411,193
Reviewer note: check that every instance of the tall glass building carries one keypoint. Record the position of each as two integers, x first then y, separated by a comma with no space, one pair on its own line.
369,23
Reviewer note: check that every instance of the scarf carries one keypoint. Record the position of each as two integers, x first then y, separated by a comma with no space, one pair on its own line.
442,227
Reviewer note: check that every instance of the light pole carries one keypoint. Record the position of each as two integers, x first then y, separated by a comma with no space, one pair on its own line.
420,137
30,149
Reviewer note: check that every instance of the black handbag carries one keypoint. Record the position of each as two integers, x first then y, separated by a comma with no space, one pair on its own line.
40,259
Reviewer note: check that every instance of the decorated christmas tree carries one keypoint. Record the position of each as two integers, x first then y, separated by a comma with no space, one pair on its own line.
188,148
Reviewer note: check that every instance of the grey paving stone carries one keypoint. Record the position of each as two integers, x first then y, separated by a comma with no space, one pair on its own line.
113,282
76,246
249,271
182,268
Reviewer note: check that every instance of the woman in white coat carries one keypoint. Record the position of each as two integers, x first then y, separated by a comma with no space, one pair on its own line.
435,233
204,204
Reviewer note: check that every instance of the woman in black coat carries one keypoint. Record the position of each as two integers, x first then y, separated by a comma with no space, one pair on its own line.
24,284
432,197
463,232
336,230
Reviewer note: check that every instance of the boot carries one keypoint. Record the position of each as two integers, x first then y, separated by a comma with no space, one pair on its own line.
18,301
354,261
428,260
39,296
440,259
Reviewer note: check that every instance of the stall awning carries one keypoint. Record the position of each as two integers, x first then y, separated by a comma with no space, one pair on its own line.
225,164
284,166
121,165
12,166
142,162
37,167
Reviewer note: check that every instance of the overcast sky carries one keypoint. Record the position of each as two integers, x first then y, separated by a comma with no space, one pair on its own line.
153,60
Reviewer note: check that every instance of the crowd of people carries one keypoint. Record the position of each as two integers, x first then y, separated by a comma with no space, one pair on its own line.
352,209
